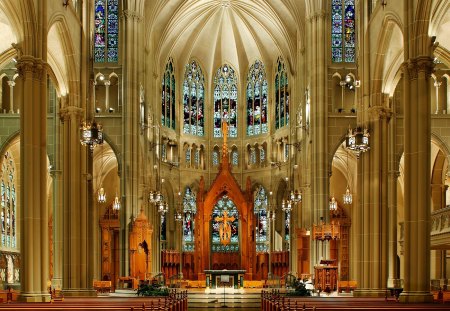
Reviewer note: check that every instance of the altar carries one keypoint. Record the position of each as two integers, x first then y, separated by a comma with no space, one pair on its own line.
229,278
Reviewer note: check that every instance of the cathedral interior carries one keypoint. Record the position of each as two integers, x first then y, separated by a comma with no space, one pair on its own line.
272,137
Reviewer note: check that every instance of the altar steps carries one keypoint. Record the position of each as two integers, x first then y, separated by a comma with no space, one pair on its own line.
244,301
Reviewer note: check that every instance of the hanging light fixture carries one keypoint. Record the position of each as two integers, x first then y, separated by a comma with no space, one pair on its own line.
347,198
91,134
333,204
358,140
116,204
101,194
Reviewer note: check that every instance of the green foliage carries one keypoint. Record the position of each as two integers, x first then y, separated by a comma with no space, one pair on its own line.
299,289
153,289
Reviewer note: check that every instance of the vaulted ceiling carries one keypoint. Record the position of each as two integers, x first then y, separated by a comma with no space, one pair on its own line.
217,31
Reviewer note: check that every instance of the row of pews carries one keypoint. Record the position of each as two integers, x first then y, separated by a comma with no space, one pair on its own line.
275,300
176,301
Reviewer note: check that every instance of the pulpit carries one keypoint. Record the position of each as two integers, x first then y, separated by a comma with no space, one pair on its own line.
325,276
140,248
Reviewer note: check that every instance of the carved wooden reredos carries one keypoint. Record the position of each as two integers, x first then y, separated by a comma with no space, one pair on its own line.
224,184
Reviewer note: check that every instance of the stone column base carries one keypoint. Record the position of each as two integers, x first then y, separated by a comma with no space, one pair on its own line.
32,297
368,292
416,297
79,292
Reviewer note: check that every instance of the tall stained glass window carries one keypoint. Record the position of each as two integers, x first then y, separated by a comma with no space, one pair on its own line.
168,96
8,201
343,34
193,100
225,225
287,230
262,226
225,100
189,210
257,100
215,158
281,95
106,31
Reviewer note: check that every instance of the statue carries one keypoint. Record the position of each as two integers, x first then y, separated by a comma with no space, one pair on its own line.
225,228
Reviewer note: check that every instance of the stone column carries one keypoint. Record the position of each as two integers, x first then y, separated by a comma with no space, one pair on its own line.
417,125
77,206
318,55
107,84
32,99
11,96
132,51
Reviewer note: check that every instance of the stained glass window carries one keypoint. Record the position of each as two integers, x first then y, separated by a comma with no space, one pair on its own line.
225,100
188,157
257,100
343,35
262,155
8,201
193,100
215,158
281,95
252,157
168,96
287,229
106,31
225,226
189,210
235,158
163,228
261,228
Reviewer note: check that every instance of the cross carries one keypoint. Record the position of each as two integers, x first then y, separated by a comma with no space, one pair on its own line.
225,228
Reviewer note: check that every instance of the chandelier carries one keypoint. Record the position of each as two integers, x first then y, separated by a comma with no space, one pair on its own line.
91,134
101,195
178,216
116,204
333,204
347,198
163,207
358,140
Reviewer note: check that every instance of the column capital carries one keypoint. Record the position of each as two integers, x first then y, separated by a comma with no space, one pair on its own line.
11,83
28,64
129,14
379,113
417,65
70,112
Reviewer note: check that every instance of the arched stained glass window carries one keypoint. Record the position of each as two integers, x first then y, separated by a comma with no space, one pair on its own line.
262,226
252,157
257,100
235,158
168,96
106,31
343,35
193,100
215,158
188,157
287,229
189,210
262,155
225,100
281,95
225,226
8,201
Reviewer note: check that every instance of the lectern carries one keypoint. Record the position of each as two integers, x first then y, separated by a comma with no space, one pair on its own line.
326,275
